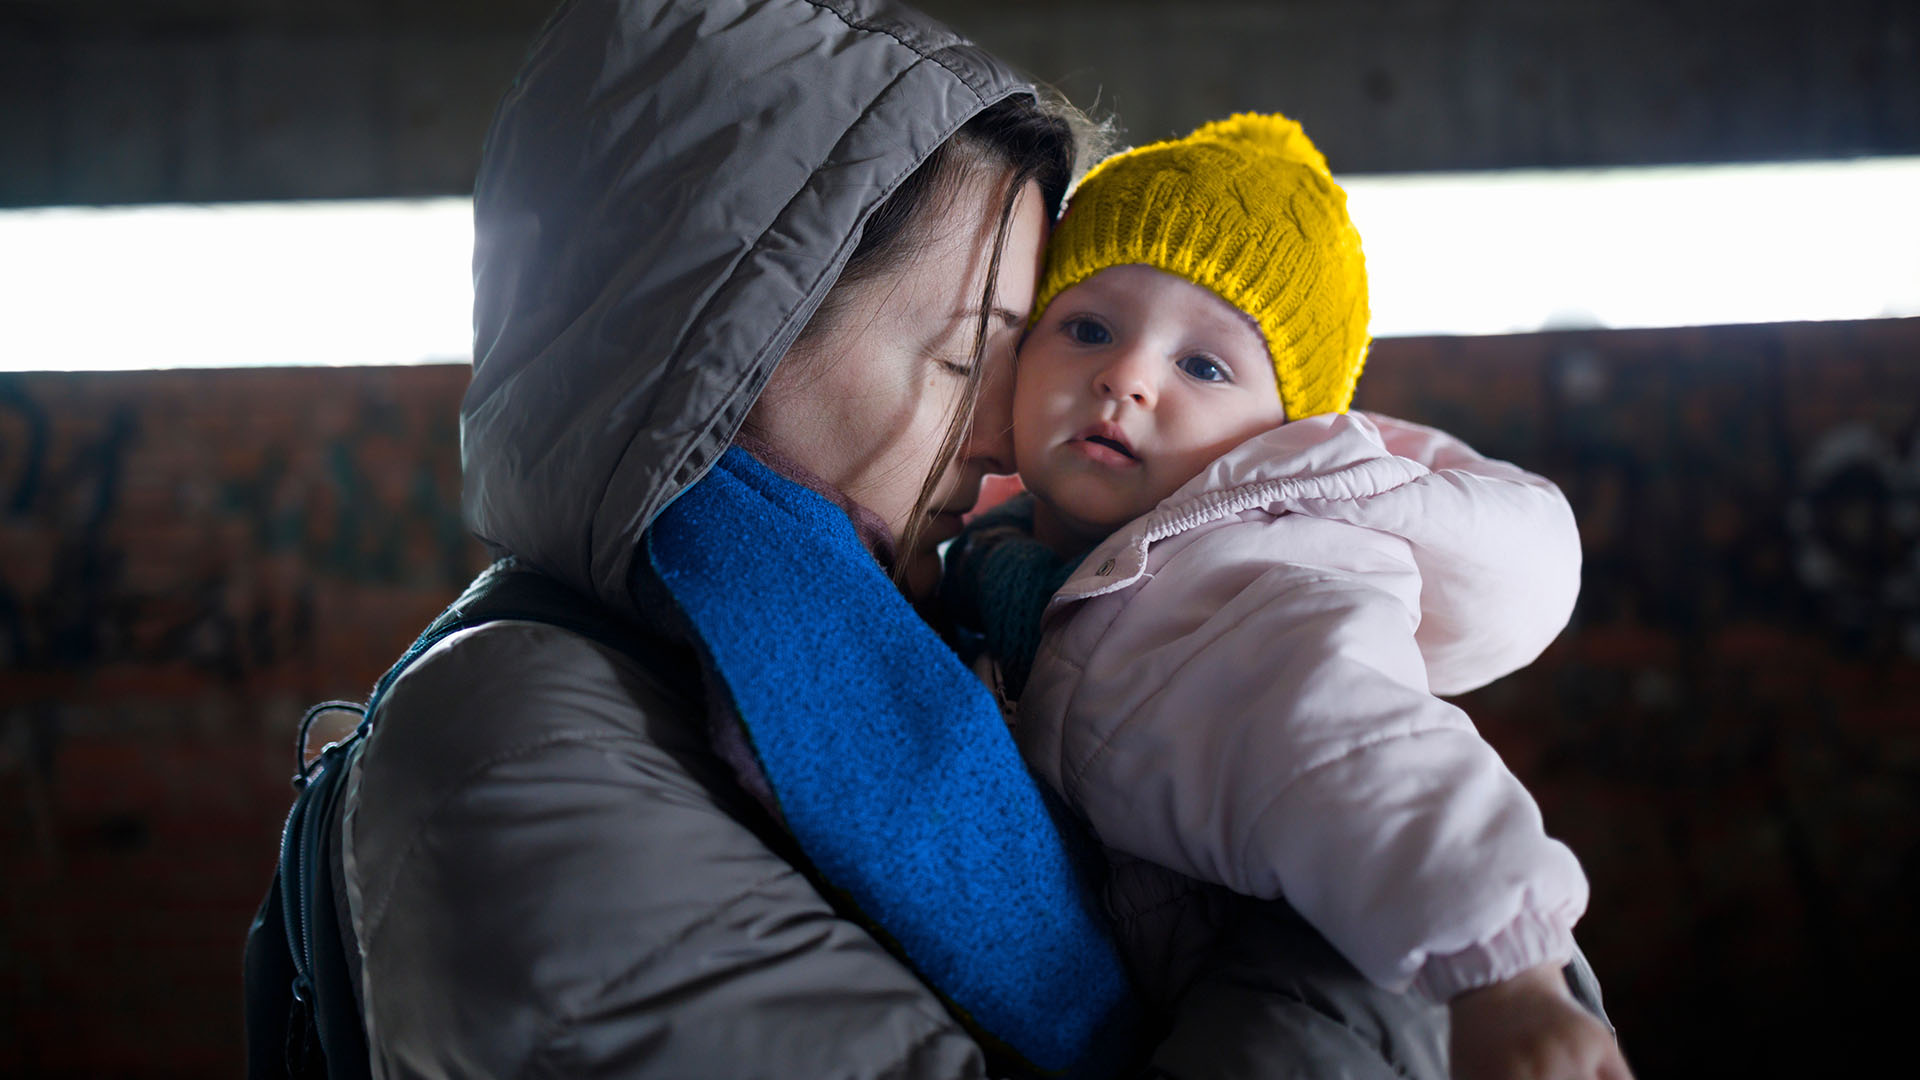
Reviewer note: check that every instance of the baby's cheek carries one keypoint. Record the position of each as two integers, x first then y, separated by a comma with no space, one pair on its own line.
1161,486
1029,415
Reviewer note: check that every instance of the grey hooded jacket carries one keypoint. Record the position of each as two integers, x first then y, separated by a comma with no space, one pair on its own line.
548,870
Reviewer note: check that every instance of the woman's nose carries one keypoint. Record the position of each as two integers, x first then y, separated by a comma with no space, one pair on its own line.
990,442
1127,375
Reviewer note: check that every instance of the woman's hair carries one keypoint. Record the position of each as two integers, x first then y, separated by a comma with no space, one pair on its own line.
1021,139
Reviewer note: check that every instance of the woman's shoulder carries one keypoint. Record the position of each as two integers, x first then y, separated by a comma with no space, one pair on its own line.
514,706
495,690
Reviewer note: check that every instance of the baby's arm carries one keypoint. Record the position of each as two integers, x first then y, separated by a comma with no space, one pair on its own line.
1490,606
1530,1028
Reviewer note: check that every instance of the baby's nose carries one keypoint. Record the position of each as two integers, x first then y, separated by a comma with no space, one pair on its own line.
1129,376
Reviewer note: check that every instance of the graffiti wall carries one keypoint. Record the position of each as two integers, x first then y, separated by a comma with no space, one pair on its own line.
186,560
1727,735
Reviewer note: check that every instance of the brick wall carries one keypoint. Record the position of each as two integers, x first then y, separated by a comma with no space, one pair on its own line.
1727,735
186,560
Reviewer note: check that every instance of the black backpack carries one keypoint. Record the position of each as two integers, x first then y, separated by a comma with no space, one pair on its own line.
302,1011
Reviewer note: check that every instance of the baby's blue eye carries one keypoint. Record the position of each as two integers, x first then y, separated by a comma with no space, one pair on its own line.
1203,368
1087,332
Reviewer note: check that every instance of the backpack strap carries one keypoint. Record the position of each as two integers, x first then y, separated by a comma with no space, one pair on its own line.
302,1010
508,590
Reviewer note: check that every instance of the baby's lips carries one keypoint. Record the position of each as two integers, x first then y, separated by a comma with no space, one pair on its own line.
1108,433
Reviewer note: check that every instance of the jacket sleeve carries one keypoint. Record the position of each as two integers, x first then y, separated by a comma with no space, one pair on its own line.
546,879
1498,554
1268,727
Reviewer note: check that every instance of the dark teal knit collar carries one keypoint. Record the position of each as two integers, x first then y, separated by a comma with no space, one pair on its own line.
997,582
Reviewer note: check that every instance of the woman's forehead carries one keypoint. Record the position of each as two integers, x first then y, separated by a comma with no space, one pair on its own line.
950,267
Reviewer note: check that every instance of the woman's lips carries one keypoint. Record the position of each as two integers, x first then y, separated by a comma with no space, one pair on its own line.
943,526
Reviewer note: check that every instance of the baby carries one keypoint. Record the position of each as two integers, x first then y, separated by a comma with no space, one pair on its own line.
1229,603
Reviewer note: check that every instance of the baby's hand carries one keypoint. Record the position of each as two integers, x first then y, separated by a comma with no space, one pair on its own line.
1530,1028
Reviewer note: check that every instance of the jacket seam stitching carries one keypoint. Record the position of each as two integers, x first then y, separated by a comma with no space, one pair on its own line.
1212,505
1209,506
923,54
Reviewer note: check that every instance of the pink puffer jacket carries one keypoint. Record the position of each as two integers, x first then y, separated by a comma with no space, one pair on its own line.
1240,686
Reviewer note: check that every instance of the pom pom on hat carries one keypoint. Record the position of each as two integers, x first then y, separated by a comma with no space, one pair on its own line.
1244,207
1267,133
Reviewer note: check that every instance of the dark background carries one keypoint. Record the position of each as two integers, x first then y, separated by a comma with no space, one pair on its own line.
1728,735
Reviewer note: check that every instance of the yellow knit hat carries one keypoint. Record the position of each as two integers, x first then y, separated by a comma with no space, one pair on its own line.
1244,207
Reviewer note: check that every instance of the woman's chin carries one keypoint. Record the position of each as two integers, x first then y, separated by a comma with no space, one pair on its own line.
922,577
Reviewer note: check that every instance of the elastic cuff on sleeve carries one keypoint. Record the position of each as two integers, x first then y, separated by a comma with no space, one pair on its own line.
1529,941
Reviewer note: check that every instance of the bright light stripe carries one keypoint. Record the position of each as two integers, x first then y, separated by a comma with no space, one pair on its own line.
236,285
1496,253
387,281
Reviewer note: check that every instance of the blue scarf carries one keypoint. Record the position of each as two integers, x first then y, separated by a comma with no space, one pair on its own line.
892,767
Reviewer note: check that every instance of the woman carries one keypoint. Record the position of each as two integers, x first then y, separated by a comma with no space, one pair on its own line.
558,858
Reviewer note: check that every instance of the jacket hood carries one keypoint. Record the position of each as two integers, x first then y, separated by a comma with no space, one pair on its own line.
668,190
1497,547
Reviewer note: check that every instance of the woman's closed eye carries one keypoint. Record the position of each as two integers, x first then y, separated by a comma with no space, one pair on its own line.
1205,368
